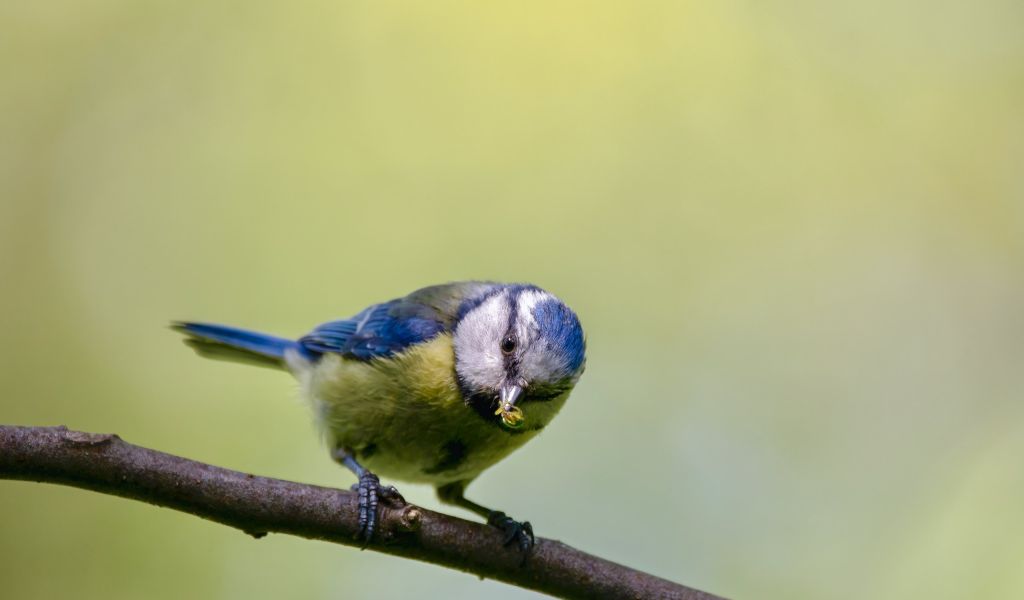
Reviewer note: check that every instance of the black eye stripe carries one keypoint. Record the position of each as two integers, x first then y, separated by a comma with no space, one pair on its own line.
511,359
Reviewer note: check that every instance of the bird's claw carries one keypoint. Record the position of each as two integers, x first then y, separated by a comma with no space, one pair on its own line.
371,493
519,533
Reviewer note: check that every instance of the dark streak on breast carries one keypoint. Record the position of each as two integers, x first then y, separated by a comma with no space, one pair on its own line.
453,453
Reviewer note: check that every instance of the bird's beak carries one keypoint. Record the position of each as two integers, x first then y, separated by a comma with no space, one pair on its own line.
509,393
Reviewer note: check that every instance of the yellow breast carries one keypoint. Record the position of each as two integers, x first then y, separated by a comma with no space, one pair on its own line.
405,418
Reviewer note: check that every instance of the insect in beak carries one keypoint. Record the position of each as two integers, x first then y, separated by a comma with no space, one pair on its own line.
511,415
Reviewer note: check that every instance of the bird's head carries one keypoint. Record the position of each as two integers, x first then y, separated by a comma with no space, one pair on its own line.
516,344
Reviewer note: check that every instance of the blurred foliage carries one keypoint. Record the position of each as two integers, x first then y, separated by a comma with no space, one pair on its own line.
793,232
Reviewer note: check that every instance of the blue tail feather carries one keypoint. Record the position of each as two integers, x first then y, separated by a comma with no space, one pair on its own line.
234,344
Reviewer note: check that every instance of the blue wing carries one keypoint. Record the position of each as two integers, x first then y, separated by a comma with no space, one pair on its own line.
387,328
375,332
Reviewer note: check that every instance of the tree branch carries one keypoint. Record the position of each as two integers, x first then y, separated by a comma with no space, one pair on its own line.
257,505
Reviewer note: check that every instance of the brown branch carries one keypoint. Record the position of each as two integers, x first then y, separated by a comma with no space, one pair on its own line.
258,505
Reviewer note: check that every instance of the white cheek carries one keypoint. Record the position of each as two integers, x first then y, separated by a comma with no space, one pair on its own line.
479,361
540,365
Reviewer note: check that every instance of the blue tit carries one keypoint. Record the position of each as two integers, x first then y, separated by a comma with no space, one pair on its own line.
431,388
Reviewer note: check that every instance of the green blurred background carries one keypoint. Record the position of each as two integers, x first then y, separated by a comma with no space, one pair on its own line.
794,233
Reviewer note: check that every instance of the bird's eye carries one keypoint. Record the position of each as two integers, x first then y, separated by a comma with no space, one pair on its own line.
508,345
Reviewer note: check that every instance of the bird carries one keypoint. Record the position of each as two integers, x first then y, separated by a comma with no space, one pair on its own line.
433,387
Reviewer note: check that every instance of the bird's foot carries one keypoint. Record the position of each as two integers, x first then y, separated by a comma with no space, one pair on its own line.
515,532
371,494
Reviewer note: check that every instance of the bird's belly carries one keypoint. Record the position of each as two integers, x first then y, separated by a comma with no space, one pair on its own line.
438,457
404,417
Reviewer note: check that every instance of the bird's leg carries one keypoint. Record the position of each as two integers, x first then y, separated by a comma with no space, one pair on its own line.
370,493
519,533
